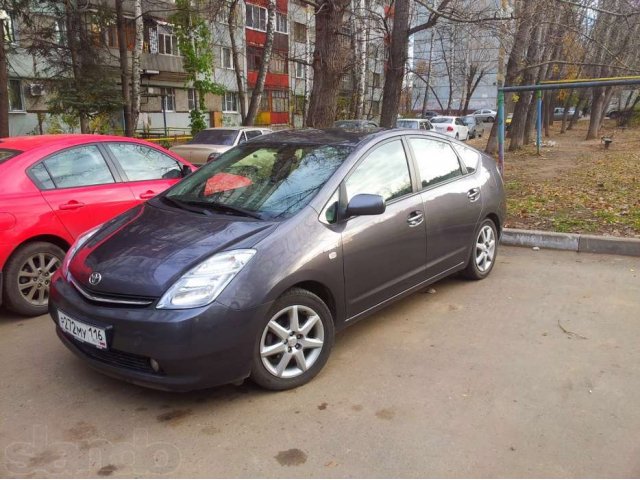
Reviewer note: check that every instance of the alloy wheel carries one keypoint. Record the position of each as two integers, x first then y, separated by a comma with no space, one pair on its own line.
34,277
485,248
292,341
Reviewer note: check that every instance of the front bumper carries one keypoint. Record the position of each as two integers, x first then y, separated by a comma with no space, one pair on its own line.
195,348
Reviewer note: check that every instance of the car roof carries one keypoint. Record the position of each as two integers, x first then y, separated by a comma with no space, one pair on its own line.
31,142
413,119
451,117
237,128
312,136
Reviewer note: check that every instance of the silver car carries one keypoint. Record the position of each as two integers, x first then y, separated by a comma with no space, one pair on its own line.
414,123
209,144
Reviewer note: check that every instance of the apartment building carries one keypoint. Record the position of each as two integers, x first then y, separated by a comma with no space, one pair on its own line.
167,98
448,57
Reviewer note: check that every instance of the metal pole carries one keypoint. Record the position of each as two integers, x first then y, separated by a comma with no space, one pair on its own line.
501,131
164,114
539,121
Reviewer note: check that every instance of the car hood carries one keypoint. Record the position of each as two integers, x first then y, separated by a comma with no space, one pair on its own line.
144,251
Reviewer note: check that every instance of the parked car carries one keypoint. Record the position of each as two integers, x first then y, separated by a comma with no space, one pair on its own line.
414,123
485,115
251,264
451,126
210,143
558,113
475,129
365,125
55,187
429,114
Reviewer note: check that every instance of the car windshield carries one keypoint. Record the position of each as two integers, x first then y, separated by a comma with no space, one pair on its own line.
270,181
468,120
441,120
7,154
215,137
407,124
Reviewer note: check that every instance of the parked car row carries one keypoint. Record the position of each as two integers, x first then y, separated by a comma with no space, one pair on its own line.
247,266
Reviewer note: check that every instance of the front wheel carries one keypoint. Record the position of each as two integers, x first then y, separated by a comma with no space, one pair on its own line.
294,343
483,252
28,277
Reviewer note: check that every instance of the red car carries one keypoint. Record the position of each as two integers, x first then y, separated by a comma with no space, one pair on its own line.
55,187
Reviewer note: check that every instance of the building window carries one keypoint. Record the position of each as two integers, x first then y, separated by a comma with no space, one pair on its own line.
167,41
168,99
376,80
282,26
226,59
191,99
279,101
300,70
230,102
279,63
256,17
16,98
254,58
299,32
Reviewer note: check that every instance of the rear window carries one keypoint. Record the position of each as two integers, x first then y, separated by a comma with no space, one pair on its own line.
215,137
442,120
7,154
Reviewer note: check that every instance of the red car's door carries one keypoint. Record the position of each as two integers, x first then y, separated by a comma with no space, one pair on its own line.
84,190
146,170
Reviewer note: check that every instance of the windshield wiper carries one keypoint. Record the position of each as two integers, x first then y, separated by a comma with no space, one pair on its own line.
224,207
185,205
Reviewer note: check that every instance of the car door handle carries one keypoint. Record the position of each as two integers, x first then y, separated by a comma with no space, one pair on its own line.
415,218
71,205
473,194
148,194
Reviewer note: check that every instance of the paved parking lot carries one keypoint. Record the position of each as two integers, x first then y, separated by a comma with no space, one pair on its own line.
533,372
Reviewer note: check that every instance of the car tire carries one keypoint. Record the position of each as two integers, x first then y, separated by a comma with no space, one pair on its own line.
457,136
485,241
277,337
37,261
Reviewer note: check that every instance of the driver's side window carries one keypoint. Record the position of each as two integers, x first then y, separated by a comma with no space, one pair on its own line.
384,172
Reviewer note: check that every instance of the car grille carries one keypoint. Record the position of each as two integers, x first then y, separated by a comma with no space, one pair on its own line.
111,300
116,358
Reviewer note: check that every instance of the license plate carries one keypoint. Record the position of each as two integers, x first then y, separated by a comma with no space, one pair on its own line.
83,332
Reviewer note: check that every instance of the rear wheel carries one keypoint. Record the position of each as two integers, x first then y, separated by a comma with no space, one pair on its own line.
483,252
295,341
28,277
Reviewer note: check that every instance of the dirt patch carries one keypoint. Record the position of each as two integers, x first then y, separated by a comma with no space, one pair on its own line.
385,414
107,470
576,186
291,457
173,416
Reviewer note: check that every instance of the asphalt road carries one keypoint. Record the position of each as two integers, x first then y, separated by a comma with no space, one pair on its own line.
533,372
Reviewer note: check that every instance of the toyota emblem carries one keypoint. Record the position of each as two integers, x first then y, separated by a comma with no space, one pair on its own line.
95,278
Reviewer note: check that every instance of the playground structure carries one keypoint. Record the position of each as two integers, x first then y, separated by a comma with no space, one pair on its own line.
538,89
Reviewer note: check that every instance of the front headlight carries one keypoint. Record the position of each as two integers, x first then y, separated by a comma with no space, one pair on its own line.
202,284
80,241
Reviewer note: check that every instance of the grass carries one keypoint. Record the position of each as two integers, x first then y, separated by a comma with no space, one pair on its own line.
587,191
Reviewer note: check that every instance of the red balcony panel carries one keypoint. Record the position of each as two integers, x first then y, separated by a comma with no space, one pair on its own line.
279,80
279,117
282,6
255,37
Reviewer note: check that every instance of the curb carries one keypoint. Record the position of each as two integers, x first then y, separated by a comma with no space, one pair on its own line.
575,242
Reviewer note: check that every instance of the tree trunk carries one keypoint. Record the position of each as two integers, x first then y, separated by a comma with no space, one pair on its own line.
579,106
235,56
597,106
73,25
329,59
124,67
4,87
256,95
135,65
394,77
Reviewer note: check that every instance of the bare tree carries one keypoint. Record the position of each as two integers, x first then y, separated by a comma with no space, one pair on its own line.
256,95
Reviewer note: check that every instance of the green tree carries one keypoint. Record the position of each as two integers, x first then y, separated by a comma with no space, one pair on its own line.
194,42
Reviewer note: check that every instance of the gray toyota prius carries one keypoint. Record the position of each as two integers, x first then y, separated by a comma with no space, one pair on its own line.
248,266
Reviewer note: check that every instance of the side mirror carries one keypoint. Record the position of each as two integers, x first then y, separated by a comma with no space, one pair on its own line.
366,204
186,170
